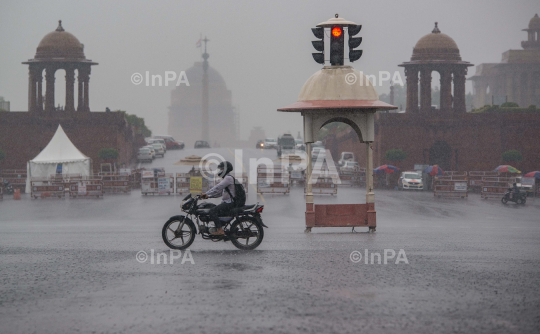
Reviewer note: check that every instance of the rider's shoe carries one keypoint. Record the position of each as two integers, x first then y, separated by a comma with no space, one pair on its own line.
218,232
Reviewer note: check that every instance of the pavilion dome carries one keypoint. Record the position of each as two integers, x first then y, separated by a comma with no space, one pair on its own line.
60,44
436,47
534,23
338,83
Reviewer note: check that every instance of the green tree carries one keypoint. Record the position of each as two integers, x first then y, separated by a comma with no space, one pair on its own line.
108,154
138,123
395,154
509,105
512,156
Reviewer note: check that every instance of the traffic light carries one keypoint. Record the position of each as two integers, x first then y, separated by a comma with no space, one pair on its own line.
354,42
337,43
318,45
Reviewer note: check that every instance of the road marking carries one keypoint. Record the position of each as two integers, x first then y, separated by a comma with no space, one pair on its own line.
244,171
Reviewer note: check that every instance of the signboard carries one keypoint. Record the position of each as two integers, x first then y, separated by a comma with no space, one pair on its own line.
59,169
147,174
125,171
460,186
163,183
82,188
527,181
195,184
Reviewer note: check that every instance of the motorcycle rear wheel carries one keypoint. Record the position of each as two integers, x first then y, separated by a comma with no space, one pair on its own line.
181,229
244,229
523,200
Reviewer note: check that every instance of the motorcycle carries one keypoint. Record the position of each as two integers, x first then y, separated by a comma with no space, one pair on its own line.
241,226
8,188
520,198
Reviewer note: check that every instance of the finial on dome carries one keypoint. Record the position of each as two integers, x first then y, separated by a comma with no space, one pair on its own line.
59,26
436,29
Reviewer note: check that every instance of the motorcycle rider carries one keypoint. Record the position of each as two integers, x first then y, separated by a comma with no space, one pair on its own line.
515,192
220,189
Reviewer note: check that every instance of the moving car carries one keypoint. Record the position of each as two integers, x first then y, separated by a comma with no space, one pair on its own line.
270,143
260,144
202,144
160,150
144,154
286,144
410,180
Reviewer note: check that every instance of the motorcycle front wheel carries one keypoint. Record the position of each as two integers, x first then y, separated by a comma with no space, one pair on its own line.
504,200
244,230
179,233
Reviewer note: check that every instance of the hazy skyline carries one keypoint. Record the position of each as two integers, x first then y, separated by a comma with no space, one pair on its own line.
262,49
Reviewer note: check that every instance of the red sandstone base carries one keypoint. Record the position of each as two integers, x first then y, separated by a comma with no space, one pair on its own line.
341,215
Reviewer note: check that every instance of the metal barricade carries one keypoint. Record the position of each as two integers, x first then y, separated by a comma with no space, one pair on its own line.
450,186
157,183
115,184
44,188
15,177
86,187
135,179
273,180
351,178
475,179
495,187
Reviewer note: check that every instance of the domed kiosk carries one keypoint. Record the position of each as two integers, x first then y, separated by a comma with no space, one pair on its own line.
339,93
436,52
58,50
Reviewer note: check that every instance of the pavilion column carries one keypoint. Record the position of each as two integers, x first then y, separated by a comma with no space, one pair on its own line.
70,89
49,93
39,78
370,195
80,97
32,88
412,89
86,91
459,90
425,90
308,140
529,93
446,90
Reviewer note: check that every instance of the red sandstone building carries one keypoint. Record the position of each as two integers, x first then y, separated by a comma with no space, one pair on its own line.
24,134
449,136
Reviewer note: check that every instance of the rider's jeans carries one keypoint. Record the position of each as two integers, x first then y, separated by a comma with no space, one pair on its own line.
220,210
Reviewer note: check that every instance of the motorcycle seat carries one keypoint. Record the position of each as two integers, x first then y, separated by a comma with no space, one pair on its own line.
244,208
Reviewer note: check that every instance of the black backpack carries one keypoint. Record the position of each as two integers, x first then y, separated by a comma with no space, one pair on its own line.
240,199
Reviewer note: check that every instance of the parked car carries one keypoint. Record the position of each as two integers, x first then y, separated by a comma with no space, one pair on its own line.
270,143
349,166
160,150
159,141
202,144
152,150
317,152
171,143
144,154
260,144
345,156
410,180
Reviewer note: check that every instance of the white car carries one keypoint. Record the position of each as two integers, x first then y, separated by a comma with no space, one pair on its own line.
270,143
152,150
160,150
316,152
144,154
161,141
410,180
350,166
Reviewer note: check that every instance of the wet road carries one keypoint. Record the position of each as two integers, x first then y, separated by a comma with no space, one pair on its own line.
70,266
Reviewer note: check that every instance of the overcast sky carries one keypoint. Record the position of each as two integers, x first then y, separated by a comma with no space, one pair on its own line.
261,48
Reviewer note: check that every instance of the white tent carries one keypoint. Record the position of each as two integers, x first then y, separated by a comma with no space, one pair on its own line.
60,156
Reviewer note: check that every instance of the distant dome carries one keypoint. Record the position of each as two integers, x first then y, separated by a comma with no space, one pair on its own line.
59,44
194,75
436,46
534,23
